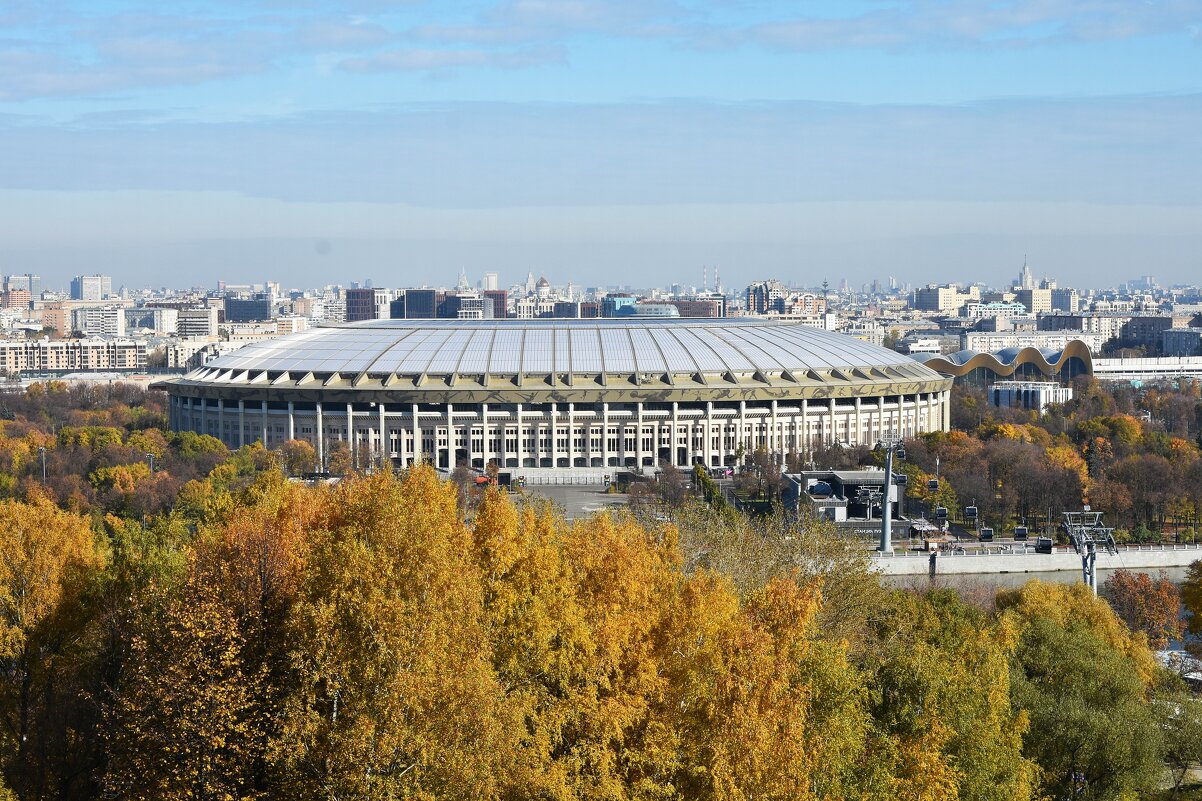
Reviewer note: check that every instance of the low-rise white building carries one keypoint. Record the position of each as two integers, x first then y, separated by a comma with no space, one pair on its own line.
1034,395
994,341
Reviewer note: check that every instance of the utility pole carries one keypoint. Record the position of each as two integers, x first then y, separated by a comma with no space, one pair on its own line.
42,454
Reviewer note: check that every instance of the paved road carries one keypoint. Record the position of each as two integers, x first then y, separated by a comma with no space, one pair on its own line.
578,500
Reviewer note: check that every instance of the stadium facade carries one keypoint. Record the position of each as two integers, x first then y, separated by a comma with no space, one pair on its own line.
549,396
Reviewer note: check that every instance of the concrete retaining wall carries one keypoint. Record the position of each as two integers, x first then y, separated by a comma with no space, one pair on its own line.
1135,557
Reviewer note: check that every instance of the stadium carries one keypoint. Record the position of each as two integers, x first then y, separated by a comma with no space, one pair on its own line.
560,400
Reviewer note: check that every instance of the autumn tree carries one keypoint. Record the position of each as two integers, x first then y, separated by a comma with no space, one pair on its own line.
395,695
298,457
1148,605
1191,600
338,458
198,710
49,556
1085,682
940,688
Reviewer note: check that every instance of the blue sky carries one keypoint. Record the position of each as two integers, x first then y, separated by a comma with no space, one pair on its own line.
605,142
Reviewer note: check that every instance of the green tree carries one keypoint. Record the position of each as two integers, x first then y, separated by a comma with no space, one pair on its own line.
940,684
1085,683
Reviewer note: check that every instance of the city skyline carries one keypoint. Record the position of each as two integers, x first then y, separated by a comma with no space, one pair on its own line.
934,141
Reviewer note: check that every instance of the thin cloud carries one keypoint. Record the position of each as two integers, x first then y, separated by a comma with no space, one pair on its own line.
344,35
967,23
437,60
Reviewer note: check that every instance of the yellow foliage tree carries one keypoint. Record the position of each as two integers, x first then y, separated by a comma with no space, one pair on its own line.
395,696
47,556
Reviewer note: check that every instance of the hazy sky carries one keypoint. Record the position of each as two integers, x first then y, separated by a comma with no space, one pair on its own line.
604,142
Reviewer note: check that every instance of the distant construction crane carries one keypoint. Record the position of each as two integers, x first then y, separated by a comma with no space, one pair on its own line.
1086,532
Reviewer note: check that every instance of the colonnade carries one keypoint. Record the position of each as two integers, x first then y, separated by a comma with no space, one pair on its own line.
563,435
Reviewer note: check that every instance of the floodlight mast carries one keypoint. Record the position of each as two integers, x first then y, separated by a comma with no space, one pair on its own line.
888,444
1086,531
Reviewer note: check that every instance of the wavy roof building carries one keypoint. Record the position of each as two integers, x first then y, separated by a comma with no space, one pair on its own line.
573,397
1075,359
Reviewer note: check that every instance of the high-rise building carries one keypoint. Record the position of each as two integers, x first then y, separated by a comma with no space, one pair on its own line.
28,282
500,301
1036,300
944,298
367,304
155,319
197,322
248,309
421,303
91,287
489,282
764,297
106,321
1065,300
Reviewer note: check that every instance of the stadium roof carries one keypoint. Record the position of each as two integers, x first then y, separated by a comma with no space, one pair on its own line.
448,347
491,354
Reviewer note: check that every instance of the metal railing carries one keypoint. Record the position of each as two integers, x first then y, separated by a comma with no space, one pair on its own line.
1019,549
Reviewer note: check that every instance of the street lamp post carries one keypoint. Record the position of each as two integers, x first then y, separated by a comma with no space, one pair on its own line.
150,456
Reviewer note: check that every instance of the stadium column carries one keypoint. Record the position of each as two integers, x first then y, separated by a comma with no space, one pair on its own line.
554,434
742,438
830,434
773,436
947,411
486,436
221,420
638,439
709,434
263,409
241,423
806,442
880,417
321,450
521,439
859,437
291,420
451,437
674,451
350,434
605,435
417,436
571,435
385,441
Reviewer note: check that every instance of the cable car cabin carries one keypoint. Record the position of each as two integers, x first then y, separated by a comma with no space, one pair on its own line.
901,452
1020,533
941,513
1043,545
900,479
986,535
933,484
970,513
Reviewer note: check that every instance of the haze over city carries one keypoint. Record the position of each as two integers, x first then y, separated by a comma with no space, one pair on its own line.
931,141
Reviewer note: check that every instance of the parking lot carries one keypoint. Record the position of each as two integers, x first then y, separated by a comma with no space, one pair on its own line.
578,500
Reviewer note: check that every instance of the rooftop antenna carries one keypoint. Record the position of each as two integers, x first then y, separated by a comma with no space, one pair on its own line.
705,278
1086,531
